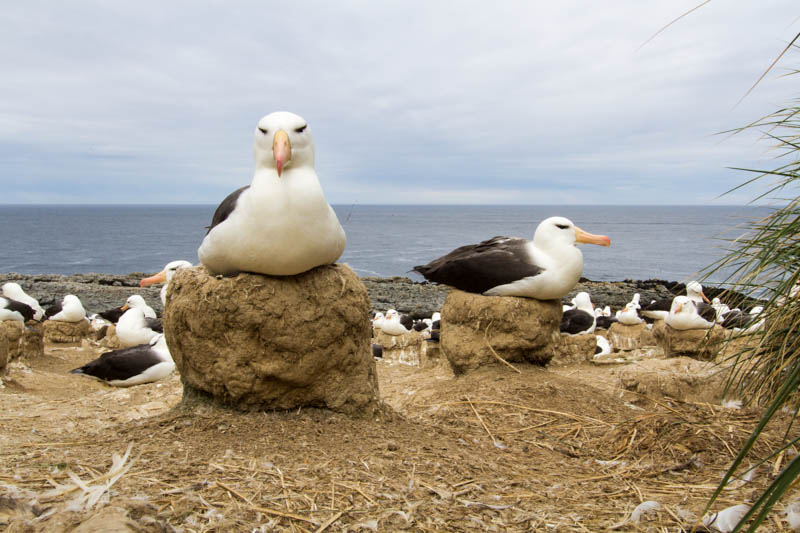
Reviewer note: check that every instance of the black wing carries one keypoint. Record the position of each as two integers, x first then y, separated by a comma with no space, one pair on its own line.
53,309
479,267
112,315
707,312
663,304
225,209
24,309
735,319
154,324
121,364
604,322
574,321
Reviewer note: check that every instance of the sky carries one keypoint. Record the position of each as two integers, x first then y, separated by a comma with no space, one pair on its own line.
409,102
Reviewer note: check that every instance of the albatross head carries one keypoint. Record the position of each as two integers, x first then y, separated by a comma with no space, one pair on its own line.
283,140
561,231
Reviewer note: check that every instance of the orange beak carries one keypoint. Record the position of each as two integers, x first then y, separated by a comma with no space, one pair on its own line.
125,307
589,238
161,277
679,308
281,150
705,299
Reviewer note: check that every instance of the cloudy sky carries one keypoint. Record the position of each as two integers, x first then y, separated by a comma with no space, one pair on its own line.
524,102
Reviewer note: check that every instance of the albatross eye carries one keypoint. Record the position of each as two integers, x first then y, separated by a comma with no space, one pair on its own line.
562,226
301,129
262,130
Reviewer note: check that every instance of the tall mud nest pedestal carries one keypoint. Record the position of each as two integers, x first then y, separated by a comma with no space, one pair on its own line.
475,328
263,342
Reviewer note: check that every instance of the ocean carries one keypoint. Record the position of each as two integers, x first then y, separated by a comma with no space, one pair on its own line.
663,242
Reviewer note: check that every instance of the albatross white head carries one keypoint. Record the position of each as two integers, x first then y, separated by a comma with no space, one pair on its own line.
559,232
283,140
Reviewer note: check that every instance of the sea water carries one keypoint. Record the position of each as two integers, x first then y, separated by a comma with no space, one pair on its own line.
664,242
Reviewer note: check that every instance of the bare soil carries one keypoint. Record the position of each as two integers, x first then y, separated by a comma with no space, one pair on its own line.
546,449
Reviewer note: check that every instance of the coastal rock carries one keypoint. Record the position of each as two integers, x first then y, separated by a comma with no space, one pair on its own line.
65,332
3,349
681,378
702,344
264,342
406,348
572,349
417,300
14,332
624,337
516,329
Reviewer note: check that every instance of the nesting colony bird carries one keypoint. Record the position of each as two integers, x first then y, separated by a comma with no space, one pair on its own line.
581,319
629,315
392,325
546,268
13,291
14,310
135,301
144,363
280,224
69,309
134,328
602,346
683,315
659,309
165,276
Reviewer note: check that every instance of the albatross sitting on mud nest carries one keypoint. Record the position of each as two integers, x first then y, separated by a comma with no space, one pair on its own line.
546,268
280,224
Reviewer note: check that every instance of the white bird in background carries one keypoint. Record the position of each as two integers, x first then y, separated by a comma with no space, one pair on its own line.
683,315
391,324
135,301
603,347
165,276
280,224
13,291
13,310
134,328
580,320
694,291
720,308
546,268
144,363
629,315
378,320
69,310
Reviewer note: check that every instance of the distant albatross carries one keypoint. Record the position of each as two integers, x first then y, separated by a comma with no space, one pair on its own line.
165,276
144,363
546,268
280,224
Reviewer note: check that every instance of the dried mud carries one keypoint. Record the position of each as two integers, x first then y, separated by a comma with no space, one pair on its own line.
547,449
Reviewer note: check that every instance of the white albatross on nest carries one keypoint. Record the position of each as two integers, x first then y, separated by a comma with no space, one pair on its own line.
546,268
280,224
683,315
134,328
13,291
135,301
69,310
165,276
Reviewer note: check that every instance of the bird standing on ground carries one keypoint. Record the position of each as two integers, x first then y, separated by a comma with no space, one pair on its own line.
546,268
280,224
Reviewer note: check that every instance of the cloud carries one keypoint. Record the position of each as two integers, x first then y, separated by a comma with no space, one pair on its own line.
409,102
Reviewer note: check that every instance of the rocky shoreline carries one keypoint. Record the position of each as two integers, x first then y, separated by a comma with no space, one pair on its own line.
100,292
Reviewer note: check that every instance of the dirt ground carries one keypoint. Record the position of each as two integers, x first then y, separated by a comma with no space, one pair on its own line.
546,449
